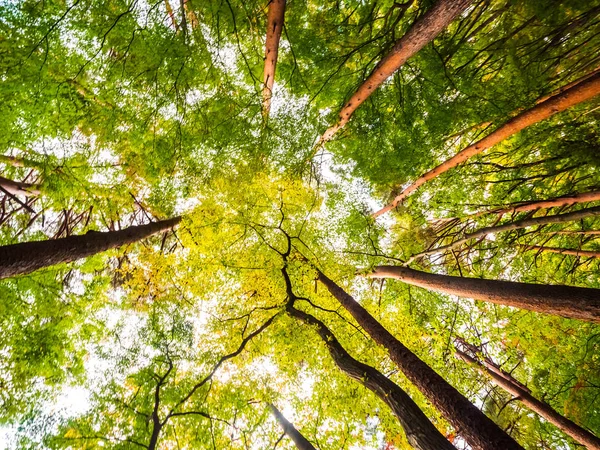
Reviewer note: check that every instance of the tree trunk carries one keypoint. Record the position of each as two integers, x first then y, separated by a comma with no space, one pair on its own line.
479,431
567,301
26,257
420,34
274,26
546,220
563,251
568,427
420,432
299,440
580,92
14,187
566,200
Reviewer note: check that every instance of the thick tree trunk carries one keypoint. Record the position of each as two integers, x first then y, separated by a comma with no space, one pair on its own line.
420,34
14,187
23,258
580,92
275,19
570,428
420,432
480,432
567,301
563,251
546,220
299,440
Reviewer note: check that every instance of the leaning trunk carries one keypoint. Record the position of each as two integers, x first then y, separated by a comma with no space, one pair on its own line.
290,430
479,431
274,26
420,432
566,301
579,93
511,226
420,34
26,257
568,427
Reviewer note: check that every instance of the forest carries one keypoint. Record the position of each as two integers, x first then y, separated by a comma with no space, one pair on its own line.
293,224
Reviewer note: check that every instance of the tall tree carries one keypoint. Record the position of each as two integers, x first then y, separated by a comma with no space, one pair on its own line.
275,21
514,388
420,432
476,429
567,301
26,257
288,428
420,34
516,225
578,93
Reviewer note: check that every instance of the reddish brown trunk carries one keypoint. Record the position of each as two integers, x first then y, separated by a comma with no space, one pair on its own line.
274,27
517,225
480,432
567,301
563,251
420,34
570,428
420,432
26,257
580,92
566,200
299,440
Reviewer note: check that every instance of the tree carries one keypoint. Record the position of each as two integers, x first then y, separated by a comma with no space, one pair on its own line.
513,387
300,441
275,20
566,301
26,257
419,430
580,92
478,430
420,34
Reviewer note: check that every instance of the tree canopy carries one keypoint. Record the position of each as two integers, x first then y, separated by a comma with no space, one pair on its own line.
182,179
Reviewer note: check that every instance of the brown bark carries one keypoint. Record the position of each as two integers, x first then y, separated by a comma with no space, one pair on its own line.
566,301
15,187
275,19
566,200
570,428
420,34
563,251
299,440
26,257
516,225
479,431
580,92
420,432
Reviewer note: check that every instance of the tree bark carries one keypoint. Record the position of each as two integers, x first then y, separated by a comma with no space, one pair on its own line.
275,19
15,187
568,427
546,220
420,34
566,200
26,257
479,431
299,440
580,92
563,251
566,301
420,432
